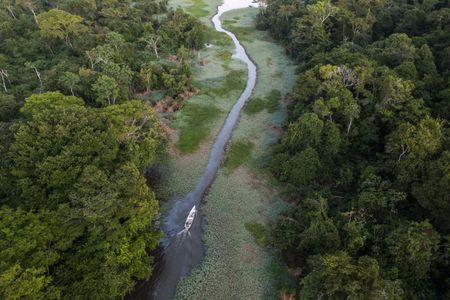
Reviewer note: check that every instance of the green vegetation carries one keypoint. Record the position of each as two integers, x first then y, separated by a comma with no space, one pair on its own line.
283,281
218,38
242,33
271,103
198,8
197,119
365,155
88,51
255,105
258,232
234,80
77,218
248,271
238,154
76,210
226,57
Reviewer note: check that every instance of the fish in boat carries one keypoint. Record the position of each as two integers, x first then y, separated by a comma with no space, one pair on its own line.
190,218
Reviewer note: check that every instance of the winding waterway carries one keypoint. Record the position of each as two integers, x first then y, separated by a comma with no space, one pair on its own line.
179,254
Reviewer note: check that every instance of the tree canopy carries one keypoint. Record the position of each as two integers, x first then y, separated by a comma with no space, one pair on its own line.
365,151
78,219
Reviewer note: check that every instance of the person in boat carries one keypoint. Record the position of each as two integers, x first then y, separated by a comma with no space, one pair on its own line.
190,218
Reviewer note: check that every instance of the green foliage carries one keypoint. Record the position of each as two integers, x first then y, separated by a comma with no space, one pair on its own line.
26,253
433,191
9,107
50,151
69,47
271,103
198,9
106,90
60,24
78,220
225,56
234,80
339,276
69,81
242,33
239,153
306,230
79,216
367,132
196,129
412,247
254,105
258,232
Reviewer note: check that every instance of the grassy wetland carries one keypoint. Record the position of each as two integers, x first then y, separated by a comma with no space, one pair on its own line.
242,200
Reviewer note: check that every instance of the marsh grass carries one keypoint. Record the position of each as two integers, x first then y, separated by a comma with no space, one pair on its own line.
239,205
242,33
259,233
198,9
234,80
218,38
254,106
196,119
226,57
227,23
235,266
271,103
239,153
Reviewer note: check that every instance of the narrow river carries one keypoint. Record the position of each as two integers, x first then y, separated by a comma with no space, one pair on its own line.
181,253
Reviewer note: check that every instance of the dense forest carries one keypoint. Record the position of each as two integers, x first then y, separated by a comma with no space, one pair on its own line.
365,158
77,219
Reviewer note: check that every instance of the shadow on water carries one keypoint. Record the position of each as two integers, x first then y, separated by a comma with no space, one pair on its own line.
179,254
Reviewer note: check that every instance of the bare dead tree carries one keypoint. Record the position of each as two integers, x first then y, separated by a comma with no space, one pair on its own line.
153,42
38,74
347,75
92,58
405,149
34,14
11,12
4,75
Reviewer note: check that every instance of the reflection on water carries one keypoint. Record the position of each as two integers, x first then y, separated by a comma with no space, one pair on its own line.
179,254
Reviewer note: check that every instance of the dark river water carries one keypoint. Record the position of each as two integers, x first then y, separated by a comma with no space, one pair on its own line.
179,254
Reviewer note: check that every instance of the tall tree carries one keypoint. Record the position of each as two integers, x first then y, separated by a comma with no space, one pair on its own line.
60,24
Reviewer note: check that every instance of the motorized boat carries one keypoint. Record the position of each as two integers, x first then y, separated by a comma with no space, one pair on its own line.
190,218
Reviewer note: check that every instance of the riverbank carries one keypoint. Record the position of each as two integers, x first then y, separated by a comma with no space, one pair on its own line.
241,198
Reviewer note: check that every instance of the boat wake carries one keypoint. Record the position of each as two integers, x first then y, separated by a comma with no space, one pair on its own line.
182,235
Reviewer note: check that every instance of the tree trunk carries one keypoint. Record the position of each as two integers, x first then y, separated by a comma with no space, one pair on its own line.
38,75
405,150
11,12
71,90
34,15
91,60
69,42
4,83
349,126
